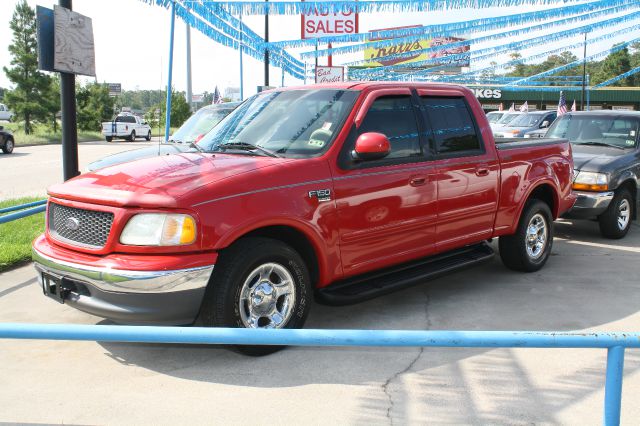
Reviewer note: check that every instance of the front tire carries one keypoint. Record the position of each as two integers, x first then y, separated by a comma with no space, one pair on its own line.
132,137
529,248
148,138
616,220
8,146
258,283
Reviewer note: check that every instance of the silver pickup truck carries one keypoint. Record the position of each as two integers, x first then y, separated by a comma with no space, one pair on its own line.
126,126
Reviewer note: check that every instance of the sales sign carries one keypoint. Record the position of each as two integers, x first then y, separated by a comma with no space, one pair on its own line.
321,22
329,74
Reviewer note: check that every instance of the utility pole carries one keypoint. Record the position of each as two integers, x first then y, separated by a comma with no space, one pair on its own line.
266,50
584,71
189,92
241,70
69,120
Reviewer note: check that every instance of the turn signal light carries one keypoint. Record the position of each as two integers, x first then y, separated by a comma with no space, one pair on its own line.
588,187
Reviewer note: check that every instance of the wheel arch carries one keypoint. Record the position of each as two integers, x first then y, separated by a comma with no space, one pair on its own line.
305,242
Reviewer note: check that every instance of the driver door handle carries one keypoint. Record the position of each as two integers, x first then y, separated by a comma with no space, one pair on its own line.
418,181
482,171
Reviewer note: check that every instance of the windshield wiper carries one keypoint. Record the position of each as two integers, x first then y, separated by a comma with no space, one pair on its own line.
243,146
196,146
593,143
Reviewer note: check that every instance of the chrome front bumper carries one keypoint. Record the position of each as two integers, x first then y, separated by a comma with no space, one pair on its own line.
590,204
152,297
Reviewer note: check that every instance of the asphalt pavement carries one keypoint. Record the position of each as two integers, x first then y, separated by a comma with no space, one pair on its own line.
589,284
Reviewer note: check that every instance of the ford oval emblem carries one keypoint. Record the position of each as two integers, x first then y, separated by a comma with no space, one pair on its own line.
72,224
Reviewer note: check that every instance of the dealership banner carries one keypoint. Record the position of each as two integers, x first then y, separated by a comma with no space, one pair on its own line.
329,74
371,54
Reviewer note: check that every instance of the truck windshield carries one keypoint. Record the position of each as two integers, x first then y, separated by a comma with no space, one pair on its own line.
292,123
585,129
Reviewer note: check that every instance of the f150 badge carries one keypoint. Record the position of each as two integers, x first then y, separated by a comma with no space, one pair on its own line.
321,194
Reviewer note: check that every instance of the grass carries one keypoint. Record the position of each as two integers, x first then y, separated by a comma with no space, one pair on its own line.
43,135
16,236
155,132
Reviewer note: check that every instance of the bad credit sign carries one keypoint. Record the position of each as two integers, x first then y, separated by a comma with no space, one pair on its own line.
320,22
329,74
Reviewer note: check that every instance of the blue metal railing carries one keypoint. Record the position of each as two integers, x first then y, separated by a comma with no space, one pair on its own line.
615,343
22,210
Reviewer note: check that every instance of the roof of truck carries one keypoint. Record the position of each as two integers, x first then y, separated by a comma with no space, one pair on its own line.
360,85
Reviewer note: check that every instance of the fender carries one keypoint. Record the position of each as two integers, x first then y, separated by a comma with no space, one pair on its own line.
318,243
535,185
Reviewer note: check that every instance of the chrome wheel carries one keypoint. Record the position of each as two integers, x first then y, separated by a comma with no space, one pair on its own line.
536,236
624,213
267,297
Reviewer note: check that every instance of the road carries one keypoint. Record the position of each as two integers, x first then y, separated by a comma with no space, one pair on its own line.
589,284
30,170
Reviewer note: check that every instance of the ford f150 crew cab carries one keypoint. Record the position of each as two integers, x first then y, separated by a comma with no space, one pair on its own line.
126,126
347,191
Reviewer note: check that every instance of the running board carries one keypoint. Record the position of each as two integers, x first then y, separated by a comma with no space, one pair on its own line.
374,284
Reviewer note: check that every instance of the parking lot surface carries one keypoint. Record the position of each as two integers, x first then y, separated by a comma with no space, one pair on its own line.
31,169
589,284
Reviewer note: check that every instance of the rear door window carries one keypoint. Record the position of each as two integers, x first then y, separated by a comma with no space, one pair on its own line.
454,131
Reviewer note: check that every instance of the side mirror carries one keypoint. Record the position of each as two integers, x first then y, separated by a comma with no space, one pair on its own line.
371,146
544,124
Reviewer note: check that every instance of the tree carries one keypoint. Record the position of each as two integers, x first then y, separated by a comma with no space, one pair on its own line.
94,105
180,110
31,85
615,64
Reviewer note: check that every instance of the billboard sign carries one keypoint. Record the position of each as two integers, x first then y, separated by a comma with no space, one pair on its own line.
323,23
197,98
329,74
371,54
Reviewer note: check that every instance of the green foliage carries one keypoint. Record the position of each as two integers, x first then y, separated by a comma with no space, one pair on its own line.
30,99
16,236
615,64
140,99
94,105
180,111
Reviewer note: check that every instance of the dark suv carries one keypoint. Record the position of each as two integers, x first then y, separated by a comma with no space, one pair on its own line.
607,166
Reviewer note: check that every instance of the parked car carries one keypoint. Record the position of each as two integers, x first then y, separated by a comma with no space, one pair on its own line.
494,116
606,156
126,126
525,123
191,131
5,114
7,143
504,120
346,191
540,133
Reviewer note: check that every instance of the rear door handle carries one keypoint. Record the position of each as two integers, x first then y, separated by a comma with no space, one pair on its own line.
482,171
418,181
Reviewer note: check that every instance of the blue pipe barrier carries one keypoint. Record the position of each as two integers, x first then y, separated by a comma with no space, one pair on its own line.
21,214
614,342
23,206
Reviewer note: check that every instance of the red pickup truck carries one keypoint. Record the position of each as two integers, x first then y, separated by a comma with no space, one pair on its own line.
345,190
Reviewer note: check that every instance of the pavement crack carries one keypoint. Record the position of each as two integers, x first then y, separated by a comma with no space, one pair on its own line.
385,386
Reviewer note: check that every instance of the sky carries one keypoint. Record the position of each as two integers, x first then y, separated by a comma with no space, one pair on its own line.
132,43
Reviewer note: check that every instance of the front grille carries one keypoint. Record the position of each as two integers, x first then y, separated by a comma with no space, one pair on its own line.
85,228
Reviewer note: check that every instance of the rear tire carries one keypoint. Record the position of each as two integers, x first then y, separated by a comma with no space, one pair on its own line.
109,138
8,146
132,137
616,220
258,283
529,248
148,138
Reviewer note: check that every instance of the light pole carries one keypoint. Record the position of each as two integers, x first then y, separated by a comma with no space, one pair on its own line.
266,49
584,71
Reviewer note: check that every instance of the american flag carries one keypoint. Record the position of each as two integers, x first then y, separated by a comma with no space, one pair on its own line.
217,99
573,107
562,105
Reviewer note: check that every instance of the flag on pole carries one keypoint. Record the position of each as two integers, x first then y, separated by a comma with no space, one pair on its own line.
217,99
524,107
573,107
562,105
500,107
512,108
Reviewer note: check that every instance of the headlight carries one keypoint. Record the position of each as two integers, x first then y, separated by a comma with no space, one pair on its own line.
589,181
157,229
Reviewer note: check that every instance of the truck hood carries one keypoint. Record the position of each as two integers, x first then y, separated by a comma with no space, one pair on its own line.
158,181
595,158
